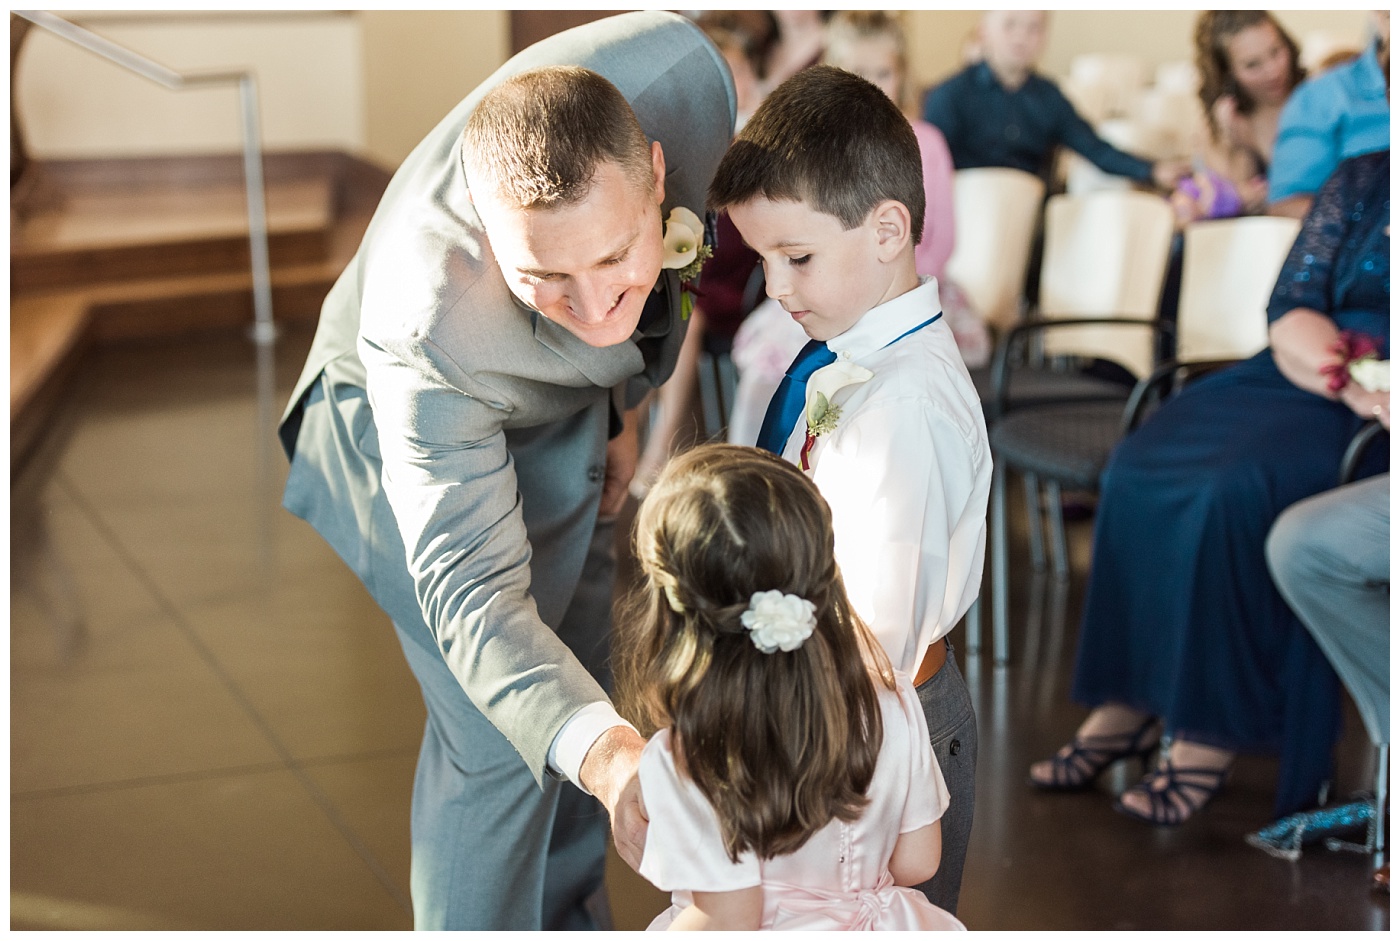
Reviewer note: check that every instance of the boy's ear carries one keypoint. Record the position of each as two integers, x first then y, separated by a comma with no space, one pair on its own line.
892,224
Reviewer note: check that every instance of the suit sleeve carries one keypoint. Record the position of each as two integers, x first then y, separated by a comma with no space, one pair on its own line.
452,485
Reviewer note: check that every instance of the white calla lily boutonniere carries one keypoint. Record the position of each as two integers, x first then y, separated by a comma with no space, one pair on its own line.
822,414
683,248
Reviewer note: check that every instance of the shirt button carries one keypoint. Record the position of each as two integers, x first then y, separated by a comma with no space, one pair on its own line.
595,473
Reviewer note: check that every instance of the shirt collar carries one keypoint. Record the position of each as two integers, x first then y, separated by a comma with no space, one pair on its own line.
882,325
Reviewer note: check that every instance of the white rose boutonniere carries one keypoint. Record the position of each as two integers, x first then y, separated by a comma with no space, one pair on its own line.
822,386
777,621
684,248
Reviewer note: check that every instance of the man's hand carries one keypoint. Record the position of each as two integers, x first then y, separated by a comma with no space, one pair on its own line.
621,466
609,772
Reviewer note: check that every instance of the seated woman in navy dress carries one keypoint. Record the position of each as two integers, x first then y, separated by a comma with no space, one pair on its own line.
1183,631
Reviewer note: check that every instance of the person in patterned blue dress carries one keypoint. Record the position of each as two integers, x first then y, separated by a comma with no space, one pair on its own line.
1183,631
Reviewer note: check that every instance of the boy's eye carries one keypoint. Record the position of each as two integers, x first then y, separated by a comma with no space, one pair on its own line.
802,260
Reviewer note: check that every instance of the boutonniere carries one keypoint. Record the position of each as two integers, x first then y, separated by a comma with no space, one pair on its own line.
822,386
684,247
1358,359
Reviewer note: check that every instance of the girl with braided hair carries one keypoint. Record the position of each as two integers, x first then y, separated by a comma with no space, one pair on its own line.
789,781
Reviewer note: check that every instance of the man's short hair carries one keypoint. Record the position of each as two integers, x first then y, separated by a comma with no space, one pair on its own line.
830,139
537,138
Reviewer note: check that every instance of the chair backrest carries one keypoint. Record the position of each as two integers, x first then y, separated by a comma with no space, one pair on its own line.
1229,268
996,210
1178,75
1105,256
1120,75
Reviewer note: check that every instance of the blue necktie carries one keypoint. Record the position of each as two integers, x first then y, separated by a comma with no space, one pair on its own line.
786,405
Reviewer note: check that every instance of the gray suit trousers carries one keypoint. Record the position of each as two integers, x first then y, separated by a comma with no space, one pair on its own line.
1330,557
952,728
490,847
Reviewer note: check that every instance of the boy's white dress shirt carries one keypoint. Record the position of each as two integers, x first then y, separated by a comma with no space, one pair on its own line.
907,472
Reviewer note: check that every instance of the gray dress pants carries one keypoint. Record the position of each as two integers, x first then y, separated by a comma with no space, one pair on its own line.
1330,557
952,727
491,848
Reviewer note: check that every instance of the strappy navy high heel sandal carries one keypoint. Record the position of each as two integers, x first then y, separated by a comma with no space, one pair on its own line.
1079,764
1187,792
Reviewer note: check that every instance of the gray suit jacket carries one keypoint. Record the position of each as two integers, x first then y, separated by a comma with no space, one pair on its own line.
441,423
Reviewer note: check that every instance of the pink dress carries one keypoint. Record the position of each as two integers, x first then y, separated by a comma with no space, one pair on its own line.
839,879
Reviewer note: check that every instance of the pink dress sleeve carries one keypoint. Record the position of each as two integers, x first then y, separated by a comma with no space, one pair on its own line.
684,849
932,253
927,798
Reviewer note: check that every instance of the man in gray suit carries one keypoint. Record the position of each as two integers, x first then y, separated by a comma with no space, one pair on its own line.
461,436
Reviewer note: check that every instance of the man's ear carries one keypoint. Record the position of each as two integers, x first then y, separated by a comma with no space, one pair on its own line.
658,170
892,224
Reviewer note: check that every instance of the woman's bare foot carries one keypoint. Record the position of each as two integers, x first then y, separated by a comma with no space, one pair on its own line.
1187,779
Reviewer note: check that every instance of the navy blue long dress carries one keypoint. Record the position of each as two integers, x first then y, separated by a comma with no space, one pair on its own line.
1181,618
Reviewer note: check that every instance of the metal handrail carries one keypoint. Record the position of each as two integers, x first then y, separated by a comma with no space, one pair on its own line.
264,329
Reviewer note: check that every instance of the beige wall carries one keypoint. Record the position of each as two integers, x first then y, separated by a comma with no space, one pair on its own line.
935,42
418,65
374,82
1164,35
310,83
370,83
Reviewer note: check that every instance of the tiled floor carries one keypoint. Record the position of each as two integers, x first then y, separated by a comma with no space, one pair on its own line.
212,725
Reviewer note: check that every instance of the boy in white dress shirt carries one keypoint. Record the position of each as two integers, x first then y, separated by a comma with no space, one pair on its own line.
825,183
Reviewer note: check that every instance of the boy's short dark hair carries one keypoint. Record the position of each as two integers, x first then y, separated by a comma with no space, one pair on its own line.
830,139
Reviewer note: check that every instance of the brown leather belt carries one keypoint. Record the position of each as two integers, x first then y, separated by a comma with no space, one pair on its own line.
933,662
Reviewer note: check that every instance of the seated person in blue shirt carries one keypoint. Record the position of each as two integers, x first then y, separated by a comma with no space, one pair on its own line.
1338,114
1000,113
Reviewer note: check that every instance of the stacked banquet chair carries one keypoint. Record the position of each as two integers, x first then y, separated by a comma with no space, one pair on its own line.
1229,270
998,211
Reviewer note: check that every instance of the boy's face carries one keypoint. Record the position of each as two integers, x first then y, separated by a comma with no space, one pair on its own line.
824,275
1012,40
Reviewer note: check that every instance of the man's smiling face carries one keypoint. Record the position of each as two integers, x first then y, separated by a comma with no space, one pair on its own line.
587,266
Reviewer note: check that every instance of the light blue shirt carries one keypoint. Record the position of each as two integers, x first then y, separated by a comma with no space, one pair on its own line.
1339,114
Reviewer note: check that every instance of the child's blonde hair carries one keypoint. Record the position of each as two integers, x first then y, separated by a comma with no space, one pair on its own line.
779,743
849,26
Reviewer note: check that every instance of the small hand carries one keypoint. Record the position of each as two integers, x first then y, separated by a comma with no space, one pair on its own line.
1166,173
1224,113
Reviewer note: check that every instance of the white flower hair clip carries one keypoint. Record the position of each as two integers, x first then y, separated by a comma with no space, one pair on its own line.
777,621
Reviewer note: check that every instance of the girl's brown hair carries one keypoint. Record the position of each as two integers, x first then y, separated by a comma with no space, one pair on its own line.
780,743
1214,30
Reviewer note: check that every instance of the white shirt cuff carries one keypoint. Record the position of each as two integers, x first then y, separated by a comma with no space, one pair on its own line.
577,735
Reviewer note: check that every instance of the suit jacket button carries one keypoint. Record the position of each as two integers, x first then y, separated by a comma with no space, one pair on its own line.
595,474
